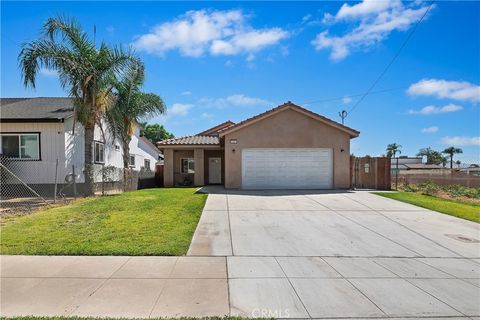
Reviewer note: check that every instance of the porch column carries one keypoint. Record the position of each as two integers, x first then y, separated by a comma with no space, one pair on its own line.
198,176
168,167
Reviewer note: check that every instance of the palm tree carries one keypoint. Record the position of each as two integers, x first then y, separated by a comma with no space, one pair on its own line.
433,157
131,106
458,163
84,70
451,151
392,150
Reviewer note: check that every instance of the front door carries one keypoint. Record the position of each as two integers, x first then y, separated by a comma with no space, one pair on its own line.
215,170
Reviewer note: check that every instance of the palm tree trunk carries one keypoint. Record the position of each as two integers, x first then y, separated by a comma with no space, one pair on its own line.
88,171
451,161
126,165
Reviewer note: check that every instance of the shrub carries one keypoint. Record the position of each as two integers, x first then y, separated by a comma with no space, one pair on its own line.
429,188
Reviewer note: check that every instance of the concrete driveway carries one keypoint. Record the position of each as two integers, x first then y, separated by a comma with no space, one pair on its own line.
315,223
314,254
272,254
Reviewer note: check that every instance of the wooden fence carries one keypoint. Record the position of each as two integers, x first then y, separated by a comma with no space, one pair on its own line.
370,173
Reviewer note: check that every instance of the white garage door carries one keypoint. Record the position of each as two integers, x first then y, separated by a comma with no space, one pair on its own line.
287,168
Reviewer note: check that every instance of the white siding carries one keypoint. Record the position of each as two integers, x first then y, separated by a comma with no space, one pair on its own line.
142,151
51,148
74,149
58,142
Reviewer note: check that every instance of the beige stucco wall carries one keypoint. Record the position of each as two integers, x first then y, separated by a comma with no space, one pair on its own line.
288,129
198,157
168,162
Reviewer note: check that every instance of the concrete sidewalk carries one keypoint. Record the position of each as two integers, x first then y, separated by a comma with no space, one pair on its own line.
284,287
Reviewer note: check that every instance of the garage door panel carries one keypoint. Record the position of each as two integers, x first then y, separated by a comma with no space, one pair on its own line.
287,168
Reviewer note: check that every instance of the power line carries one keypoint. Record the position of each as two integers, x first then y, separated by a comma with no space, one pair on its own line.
393,59
351,95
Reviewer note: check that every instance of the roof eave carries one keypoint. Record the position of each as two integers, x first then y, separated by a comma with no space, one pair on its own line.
11,120
189,146
353,133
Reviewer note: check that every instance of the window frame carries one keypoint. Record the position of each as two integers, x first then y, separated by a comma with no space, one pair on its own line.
19,134
145,164
130,162
190,160
95,142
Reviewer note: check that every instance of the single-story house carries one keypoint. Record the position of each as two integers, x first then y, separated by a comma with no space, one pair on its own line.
287,147
35,133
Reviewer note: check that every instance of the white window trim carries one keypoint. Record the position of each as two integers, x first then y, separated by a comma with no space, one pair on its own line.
189,160
94,151
134,160
145,163
20,134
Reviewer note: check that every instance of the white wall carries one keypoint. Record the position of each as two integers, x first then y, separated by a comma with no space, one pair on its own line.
142,151
58,142
51,148
74,149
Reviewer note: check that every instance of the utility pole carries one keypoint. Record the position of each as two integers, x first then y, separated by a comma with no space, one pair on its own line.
343,114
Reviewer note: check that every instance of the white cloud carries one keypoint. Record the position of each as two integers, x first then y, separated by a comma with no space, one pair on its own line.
306,17
362,9
179,109
235,100
346,100
456,90
432,129
461,141
216,32
428,110
186,93
375,21
208,116
48,72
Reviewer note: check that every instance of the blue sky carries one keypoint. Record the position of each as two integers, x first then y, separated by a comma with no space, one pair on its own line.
218,61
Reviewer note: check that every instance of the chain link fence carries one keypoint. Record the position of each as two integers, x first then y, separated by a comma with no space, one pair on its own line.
26,185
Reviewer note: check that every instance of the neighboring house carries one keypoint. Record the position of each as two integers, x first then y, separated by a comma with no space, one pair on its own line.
403,161
287,147
35,133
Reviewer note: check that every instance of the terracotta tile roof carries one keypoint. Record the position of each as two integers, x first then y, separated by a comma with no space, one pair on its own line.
289,104
191,140
217,128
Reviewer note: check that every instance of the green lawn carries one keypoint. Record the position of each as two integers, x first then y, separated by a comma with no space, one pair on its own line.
468,211
144,222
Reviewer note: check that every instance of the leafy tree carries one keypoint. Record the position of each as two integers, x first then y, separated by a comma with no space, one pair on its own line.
155,132
85,72
433,157
452,151
393,149
131,106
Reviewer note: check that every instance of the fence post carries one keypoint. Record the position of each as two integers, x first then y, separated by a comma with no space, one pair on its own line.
396,176
55,187
74,182
103,179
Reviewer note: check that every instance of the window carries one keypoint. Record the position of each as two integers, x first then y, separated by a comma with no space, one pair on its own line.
188,165
131,160
367,168
21,145
99,152
146,164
